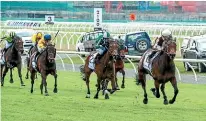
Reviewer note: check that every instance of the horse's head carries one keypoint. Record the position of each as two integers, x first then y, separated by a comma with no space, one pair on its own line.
51,53
113,48
170,48
18,44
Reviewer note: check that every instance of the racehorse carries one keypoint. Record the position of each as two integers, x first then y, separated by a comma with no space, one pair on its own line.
163,70
13,59
32,50
45,65
104,69
119,67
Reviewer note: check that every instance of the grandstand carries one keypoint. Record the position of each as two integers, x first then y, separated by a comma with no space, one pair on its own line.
113,11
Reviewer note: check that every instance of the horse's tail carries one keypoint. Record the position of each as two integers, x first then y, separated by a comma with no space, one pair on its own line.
82,72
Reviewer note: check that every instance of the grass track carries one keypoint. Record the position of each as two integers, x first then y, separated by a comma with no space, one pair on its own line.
70,103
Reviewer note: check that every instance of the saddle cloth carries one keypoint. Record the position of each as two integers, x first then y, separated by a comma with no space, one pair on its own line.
146,61
92,60
34,60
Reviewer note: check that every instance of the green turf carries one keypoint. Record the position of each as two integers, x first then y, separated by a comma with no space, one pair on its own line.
127,65
70,104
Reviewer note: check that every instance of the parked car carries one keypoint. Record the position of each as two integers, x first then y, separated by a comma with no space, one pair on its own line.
137,42
194,49
87,41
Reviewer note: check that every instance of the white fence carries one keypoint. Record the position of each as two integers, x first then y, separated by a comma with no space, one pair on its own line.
70,32
128,57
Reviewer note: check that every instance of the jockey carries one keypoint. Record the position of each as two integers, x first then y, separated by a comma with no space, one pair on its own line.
165,36
102,44
9,40
41,46
121,42
35,39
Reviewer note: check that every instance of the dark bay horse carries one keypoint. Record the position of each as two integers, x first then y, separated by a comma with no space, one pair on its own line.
32,50
104,69
45,65
13,59
163,70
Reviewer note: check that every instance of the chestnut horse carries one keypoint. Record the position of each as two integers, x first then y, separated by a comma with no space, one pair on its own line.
162,71
119,67
104,69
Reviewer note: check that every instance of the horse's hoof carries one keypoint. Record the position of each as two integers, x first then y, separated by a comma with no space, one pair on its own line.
106,96
31,91
2,85
145,101
117,88
46,94
122,86
152,89
171,101
23,85
96,97
157,96
11,81
26,77
112,91
166,102
88,96
55,90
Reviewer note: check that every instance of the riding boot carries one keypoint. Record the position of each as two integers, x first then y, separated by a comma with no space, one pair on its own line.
98,57
151,55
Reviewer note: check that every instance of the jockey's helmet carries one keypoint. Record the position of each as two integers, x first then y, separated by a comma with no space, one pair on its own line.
39,35
47,37
166,34
12,34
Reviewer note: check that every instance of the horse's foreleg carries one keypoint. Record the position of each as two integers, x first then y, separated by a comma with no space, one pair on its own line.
20,75
156,89
43,76
98,88
163,92
117,86
113,84
87,75
1,67
174,84
123,74
142,80
106,92
32,80
11,76
27,73
4,74
55,84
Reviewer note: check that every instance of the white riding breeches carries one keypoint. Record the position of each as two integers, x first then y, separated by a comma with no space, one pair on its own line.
8,45
40,49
